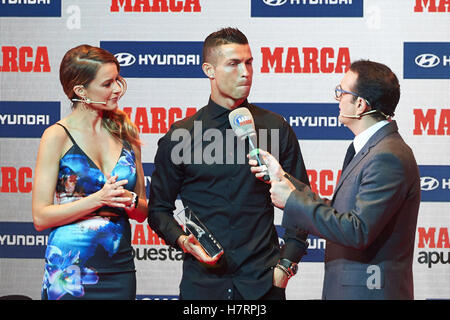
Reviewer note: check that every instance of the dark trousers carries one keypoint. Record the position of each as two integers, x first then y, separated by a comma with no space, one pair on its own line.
275,293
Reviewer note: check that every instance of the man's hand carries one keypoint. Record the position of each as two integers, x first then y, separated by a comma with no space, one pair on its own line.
189,244
281,186
280,192
271,165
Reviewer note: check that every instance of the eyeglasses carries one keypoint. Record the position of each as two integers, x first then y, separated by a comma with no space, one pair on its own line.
338,92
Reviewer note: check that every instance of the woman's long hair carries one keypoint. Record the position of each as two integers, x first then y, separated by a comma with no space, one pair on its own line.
79,67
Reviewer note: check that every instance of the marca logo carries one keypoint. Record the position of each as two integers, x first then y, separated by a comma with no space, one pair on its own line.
307,8
426,60
323,182
142,59
142,234
16,180
21,240
430,238
432,6
30,8
315,121
27,119
435,183
148,246
155,5
157,120
24,59
433,122
305,60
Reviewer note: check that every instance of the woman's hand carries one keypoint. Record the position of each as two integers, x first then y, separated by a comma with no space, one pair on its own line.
113,194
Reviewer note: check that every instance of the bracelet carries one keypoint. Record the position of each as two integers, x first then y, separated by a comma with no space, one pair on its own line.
135,201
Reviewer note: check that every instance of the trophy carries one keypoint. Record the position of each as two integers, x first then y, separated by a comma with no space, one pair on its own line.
193,224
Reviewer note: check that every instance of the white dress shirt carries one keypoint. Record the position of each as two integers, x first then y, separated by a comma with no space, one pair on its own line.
362,138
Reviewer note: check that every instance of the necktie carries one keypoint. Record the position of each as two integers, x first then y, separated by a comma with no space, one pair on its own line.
348,156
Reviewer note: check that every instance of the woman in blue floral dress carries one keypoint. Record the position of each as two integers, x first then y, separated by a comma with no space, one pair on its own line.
91,159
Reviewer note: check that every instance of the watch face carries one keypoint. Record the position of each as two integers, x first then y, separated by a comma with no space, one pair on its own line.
293,267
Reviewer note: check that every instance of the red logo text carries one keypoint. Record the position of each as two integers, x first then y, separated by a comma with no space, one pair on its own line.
157,119
432,238
24,59
432,5
323,182
305,60
433,122
16,180
156,6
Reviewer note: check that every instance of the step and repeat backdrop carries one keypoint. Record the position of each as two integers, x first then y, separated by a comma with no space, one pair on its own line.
301,49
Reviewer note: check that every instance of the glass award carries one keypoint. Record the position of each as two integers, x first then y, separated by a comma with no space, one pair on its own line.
193,224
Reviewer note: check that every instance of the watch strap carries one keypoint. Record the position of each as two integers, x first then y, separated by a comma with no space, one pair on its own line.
289,267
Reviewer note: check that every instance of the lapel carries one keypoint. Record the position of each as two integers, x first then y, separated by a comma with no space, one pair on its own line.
377,137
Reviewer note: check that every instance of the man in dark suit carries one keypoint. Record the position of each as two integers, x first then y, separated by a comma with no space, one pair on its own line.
370,223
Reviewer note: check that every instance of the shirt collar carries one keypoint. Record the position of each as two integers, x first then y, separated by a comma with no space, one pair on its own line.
362,138
216,111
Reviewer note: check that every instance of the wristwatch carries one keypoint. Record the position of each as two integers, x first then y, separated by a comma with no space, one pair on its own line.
289,267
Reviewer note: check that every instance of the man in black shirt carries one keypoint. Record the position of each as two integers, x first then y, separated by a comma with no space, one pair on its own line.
227,198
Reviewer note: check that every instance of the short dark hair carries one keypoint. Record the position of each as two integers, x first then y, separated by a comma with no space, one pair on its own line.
221,37
378,85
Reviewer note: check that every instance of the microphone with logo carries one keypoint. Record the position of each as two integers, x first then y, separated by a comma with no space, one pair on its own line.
241,121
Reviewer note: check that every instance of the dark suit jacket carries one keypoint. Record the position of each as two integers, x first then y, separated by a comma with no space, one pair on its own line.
370,225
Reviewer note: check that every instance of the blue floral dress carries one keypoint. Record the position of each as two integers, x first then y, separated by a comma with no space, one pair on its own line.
91,258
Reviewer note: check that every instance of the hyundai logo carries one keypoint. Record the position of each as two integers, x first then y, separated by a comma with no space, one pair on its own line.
428,183
427,60
275,3
125,59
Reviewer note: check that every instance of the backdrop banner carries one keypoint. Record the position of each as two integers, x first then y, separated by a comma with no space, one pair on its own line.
301,50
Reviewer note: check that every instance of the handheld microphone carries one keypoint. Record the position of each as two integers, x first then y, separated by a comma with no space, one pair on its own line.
241,121
88,101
